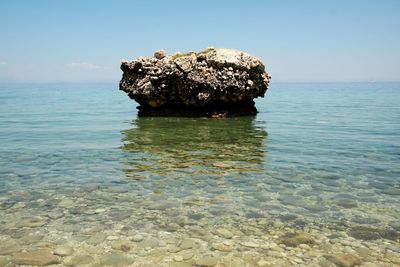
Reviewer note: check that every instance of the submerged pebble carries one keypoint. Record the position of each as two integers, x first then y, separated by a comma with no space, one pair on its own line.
63,250
115,259
41,257
78,260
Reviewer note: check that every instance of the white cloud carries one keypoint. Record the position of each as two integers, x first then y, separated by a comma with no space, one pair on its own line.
83,66
3,63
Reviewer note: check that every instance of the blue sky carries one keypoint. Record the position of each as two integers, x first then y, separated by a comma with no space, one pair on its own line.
85,40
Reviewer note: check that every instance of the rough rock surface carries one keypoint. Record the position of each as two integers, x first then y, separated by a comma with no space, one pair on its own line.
214,82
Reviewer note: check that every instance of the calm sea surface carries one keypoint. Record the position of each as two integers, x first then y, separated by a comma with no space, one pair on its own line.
312,180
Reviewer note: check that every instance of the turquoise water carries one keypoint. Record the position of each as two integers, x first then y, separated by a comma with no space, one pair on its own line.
78,168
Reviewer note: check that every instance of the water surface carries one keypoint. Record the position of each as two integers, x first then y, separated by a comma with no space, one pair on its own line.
321,161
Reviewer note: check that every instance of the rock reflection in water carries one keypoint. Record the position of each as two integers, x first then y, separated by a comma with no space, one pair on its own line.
181,146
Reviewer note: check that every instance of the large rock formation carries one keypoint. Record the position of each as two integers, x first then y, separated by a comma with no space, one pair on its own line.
214,82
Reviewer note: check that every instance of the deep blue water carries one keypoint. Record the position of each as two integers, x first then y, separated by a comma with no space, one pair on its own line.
324,155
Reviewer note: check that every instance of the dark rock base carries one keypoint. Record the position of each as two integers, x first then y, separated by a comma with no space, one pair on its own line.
219,110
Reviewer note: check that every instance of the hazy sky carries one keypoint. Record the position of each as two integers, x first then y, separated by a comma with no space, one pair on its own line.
85,40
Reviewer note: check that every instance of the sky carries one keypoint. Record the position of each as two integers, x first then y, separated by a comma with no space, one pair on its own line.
299,41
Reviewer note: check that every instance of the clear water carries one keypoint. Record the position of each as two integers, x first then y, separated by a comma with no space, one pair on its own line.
79,168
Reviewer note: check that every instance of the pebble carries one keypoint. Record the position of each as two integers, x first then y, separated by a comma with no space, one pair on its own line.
187,244
100,210
31,239
178,258
5,261
112,238
276,254
160,54
36,257
173,249
250,244
295,239
225,233
32,222
9,247
137,238
55,215
393,257
298,260
277,248
262,263
207,261
66,203
186,255
364,233
370,264
221,247
78,260
122,245
63,250
304,246
149,242
96,239
115,259
346,203
343,260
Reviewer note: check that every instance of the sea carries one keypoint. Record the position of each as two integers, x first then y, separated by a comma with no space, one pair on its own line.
312,180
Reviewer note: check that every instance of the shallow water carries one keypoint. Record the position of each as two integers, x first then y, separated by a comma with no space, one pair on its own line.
79,169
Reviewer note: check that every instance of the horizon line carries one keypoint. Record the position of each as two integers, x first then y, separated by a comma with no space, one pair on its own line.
117,81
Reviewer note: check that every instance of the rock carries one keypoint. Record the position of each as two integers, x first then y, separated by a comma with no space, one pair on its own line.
160,54
78,260
364,220
66,203
364,233
150,242
213,82
115,259
36,257
186,255
207,261
173,249
363,252
96,239
343,260
393,257
9,247
187,244
221,247
371,264
347,203
122,245
55,215
250,244
178,258
295,239
63,250
32,222
391,191
263,263
5,261
225,233
137,238
389,234
278,248
395,225
30,239
276,254
304,246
